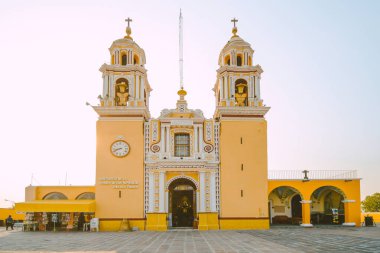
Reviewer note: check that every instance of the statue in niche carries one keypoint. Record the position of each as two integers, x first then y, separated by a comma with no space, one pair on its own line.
241,94
121,94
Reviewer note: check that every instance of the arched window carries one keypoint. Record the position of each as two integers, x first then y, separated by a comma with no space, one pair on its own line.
123,59
136,60
239,60
182,145
227,60
241,92
86,195
54,195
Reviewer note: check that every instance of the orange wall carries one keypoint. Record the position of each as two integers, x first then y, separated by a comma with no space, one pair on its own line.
71,192
131,167
5,212
253,179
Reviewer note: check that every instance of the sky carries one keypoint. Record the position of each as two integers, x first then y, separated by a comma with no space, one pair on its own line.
320,62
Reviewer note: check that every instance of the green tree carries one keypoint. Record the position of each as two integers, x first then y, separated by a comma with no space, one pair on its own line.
371,203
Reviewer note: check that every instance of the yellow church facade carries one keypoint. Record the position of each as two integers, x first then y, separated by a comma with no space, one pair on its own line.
184,170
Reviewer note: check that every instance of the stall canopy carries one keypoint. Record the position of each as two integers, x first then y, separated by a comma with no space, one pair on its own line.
57,206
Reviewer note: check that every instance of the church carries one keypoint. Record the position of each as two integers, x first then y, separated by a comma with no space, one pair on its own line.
184,170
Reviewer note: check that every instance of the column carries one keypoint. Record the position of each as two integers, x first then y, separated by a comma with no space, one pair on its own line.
202,192
151,192
213,192
255,87
141,82
201,138
112,87
347,213
306,213
195,148
168,140
232,90
258,87
221,89
162,192
162,135
137,81
105,86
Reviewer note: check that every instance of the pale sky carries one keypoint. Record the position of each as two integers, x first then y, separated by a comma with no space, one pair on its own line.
320,61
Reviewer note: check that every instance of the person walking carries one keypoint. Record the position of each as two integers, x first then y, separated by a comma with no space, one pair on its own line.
9,222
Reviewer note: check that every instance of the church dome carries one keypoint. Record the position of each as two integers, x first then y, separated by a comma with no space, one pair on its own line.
126,51
237,52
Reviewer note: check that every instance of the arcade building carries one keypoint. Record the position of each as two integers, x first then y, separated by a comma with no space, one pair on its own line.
184,170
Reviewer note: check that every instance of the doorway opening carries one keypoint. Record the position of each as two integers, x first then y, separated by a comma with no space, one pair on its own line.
182,203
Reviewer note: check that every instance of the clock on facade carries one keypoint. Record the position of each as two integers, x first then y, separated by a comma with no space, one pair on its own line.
120,148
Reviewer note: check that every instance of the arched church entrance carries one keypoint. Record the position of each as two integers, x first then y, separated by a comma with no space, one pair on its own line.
182,203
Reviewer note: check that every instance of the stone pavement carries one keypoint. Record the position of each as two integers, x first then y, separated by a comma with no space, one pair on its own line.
278,239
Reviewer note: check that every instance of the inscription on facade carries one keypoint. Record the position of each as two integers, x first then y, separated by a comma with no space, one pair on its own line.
119,182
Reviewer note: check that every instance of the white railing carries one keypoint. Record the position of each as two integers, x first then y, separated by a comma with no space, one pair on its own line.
312,174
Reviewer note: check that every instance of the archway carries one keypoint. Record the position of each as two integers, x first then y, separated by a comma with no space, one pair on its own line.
296,209
284,206
327,206
182,203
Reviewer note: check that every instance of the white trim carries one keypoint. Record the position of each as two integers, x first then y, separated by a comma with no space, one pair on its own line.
349,224
213,191
306,201
151,193
181,176
306,225
162,192
202,191
348,201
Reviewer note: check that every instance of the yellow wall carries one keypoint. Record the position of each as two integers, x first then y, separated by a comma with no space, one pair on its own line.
131,167
253,179
238,224
351,190
5,212
119,225
71,192
375,215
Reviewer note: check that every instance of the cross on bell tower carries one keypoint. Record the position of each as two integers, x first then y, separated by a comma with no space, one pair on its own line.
234,29
128,30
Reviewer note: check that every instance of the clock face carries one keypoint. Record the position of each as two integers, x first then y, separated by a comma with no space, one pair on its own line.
120,148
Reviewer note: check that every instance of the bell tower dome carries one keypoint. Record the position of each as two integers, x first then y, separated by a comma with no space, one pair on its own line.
125,83
238,80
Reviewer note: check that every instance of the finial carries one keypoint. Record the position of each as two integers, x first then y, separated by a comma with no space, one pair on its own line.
182,93
234,29
128,30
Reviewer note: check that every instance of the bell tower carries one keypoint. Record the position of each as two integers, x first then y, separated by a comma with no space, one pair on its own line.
124,79
242,138
123,110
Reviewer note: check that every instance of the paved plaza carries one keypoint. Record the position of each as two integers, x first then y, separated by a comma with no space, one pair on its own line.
279,239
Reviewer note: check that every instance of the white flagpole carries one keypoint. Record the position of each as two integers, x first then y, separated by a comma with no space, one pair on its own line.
180,48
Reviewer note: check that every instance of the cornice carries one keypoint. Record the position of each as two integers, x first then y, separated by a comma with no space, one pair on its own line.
181,164
121,68
121,111
237,111
240,69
